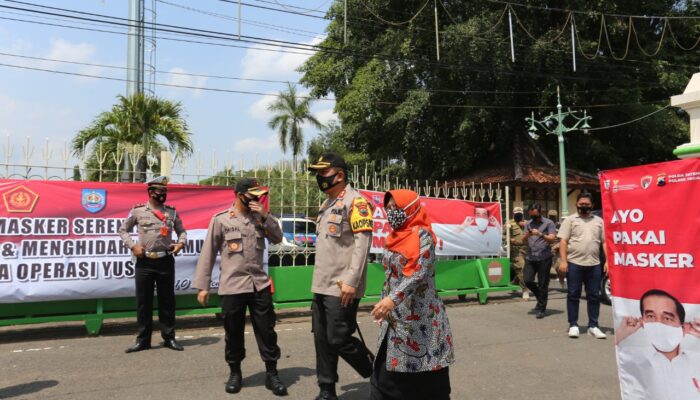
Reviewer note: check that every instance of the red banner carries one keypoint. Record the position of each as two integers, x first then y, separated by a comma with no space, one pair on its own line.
651,225
59,240
463,228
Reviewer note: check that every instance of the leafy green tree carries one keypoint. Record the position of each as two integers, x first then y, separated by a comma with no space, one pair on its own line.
290,112
443,118
332,138
136,123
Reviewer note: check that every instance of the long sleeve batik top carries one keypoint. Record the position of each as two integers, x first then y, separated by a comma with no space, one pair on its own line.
417,330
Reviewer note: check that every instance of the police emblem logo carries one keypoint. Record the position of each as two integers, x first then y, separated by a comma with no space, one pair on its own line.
332,229
20,200
93,200
661,179
362,209
646,181
233,246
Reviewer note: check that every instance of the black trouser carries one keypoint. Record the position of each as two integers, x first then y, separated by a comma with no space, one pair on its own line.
263,318
541,288
161,273
333,326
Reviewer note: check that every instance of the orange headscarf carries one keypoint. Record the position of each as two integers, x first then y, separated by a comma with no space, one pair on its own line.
406,240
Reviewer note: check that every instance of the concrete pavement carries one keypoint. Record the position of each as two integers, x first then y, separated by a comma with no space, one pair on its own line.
502,353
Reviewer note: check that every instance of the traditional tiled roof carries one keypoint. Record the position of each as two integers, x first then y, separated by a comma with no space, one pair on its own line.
527,165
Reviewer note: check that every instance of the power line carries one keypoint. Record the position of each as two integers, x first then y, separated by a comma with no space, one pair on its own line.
247,92
302,32
458,91
589,12
286,44
631,121
211,89
158,71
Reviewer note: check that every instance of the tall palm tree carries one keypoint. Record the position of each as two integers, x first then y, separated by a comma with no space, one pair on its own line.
153,123
290,113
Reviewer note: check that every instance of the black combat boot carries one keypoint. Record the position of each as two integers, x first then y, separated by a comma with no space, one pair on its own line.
272,379
235,379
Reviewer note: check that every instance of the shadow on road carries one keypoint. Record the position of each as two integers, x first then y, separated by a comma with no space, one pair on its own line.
200,341
355,391
289,376
26,388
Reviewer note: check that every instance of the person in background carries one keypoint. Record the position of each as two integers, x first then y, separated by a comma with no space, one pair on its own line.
561,276
415,340
581,238
518,250
540,232
155,262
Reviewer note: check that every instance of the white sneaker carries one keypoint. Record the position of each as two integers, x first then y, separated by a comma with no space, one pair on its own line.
573,332
526,295
596,332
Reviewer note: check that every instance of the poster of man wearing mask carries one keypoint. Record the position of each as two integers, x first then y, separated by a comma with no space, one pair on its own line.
463,228
655,283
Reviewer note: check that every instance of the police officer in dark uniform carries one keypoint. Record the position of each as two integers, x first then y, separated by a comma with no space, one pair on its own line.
238,234
155,264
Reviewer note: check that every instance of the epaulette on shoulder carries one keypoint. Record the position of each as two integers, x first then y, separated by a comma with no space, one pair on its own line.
221,212
139,205
169,206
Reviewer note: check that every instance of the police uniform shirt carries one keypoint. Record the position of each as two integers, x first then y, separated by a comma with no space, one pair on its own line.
344,235
151,227
241,241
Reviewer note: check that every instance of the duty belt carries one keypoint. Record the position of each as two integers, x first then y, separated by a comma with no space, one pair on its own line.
157,254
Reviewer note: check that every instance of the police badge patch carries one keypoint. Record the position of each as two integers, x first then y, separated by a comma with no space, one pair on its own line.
360,216
93,200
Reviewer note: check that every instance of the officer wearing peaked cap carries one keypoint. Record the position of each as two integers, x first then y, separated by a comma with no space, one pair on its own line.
344,235
155,264
238,234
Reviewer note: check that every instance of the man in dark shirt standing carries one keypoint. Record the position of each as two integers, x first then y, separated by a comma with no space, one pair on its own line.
540,232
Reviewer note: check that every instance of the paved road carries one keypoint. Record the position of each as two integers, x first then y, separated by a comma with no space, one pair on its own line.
502,353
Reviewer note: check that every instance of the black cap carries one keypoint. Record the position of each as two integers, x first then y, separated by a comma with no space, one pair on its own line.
328,160
250,185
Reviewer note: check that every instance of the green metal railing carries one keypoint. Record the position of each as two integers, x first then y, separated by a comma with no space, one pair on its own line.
292,290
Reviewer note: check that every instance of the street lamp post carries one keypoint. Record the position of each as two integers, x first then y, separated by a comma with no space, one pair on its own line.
560,129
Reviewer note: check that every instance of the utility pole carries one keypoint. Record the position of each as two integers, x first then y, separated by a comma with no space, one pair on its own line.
135,48
560,129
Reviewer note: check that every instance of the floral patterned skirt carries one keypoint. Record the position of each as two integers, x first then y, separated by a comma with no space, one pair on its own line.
432,385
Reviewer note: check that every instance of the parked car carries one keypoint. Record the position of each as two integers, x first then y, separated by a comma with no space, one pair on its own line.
298,246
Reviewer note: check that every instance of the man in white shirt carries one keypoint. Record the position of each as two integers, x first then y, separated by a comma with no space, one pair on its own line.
657,352
482,232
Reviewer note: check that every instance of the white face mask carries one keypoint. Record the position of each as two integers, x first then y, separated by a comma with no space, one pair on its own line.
663,337
482,223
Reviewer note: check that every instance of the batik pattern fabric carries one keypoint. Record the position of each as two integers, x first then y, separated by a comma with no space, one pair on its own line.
417,330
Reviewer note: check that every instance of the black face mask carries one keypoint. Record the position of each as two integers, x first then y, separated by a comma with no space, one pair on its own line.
160,197
584,209
518,217
536,218
326,182
246,201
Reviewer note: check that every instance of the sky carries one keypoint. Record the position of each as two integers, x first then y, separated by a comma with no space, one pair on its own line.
226,127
